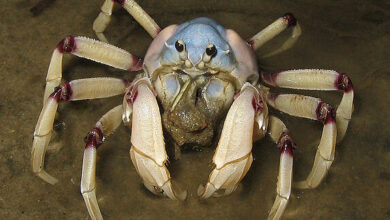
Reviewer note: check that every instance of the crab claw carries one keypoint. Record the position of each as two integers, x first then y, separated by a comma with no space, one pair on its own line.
148,151
233,156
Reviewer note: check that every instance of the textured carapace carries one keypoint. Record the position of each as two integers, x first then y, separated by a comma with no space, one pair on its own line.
197,77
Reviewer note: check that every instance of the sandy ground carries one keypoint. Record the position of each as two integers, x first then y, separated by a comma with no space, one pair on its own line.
348,36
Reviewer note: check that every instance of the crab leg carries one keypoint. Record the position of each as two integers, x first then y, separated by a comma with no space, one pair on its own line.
133,8
279,134
74,90
103,19
233,156
90,49
148,151
316,79
312,108
103,128
268,33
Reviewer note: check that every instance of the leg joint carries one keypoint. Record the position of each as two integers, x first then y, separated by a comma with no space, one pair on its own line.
285,143
62,93
343,82
325,113
270,78
121,2
94,138
291,20
67,45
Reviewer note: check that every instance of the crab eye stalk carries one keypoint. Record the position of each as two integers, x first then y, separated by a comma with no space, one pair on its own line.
179,45
211,50
181,48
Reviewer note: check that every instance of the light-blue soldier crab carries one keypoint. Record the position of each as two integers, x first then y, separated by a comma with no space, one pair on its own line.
203,75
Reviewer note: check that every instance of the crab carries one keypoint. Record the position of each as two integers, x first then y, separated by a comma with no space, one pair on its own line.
205,78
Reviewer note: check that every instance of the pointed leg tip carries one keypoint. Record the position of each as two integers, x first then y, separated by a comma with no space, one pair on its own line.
179,193
201,190
300,185
46,177
173,191
278,208
303,185
92,205
102,37
206,191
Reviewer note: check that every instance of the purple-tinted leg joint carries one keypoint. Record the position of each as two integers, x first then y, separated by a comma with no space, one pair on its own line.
94,138
158,30
269,78
272,96
325,113
121,2
62,93
257,103
291,20
131,96
285,144
137,64
126,82
251,43
343,82
67,45
236,95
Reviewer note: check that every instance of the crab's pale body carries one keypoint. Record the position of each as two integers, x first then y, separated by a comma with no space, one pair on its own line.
203,76
197,89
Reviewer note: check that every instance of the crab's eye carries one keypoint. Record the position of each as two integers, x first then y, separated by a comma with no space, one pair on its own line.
179,45
211,50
